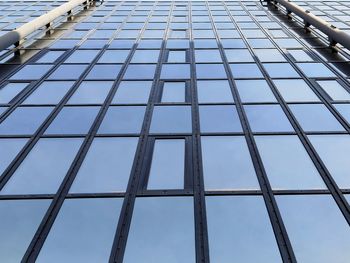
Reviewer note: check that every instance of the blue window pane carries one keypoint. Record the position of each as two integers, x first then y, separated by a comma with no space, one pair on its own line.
140,72
174,92
287,164
227,163
19,221
210,71
316,228
242,71
50,57
68,72
316,70
24,120
281,70
145,56
82,56
214,91
315,117
260,116
83,231
334,90
238,55
44,168
114,56
344,110
106,167
334,152
240,230
73,120
104,72
171,215
10,91
219,119
168,165
133,92
254,91
9,149
91,92
171,119
32,72
127,119
49,92
295,90
208,55
175,71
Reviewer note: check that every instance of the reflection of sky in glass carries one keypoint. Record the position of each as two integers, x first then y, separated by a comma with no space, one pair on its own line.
162,230
240,230
316,228
9,149
83,231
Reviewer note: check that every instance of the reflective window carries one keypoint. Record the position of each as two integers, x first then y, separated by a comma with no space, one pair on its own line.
133,92
140,72
316,228
177,56
73,120
171,215
344,110
242,71
334,90
114,56
83,231
254,91
227,163
119,120
171,119
24,120
210,71
32,72
295,90
238,55
334,152
93,92
168,165
269,55
316,70
106,167
239,229
49,92
9,149
104,72
287,164
145,56
82,56
19,221
315,117
208,55
220,118
260,116
175,71
10,91
69,72
44,168
174,92
50,57
281,70
214,91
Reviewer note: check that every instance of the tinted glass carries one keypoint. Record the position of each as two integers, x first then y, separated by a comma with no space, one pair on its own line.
11,90
9,149
174,92
295,90
133,92
175,71
214,91
254,91
93,92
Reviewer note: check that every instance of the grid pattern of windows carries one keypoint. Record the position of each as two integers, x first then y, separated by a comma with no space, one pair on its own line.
146,131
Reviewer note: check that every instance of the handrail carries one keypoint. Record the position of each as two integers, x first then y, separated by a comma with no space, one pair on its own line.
15,36
334,34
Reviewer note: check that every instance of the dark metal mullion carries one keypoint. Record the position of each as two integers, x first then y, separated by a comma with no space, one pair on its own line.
322,169
279,229
120,238
201,228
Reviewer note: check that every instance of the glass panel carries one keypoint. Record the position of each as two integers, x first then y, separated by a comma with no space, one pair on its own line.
316,70
214,91
171,119
334,90
50,57
245,71
168,165
219,119
83,231
287,163
49,92
238,55
254,91
106,167
91,92
295,90
127,119
260,116
171,215
145,56
24,120
82,56
334,152
140,72
65,72
19,221
227,163
114,56
73,120
9,149
316,228
344,110
175,71
208,55
133,92
44,168
177,56
210,71
315,117
32,72
101,72
240,230
11,90
281,70
174,92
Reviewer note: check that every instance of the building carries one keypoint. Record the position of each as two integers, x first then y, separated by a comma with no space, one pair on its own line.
184,131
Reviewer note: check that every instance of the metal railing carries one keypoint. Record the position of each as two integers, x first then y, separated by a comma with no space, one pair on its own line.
15,36
335,35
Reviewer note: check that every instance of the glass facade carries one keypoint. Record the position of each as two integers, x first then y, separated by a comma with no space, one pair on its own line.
175,131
